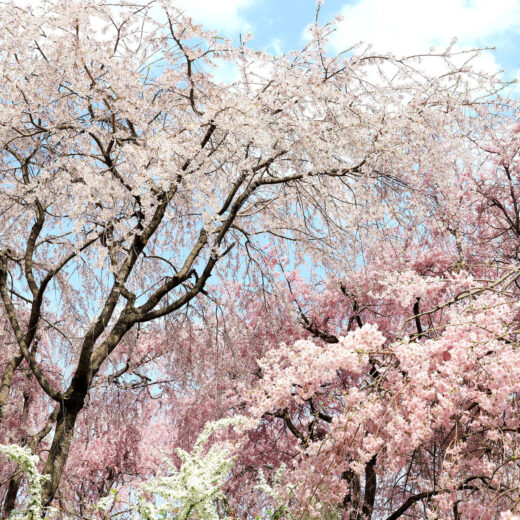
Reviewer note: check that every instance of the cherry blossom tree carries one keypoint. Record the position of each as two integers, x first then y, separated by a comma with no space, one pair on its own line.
443,439
163,233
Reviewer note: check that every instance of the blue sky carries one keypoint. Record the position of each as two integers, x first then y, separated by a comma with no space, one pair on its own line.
399,26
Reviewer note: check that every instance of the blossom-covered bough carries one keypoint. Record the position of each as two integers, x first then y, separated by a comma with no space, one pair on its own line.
155,225
435,419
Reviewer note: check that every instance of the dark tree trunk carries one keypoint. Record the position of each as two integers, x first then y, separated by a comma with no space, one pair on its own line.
59,451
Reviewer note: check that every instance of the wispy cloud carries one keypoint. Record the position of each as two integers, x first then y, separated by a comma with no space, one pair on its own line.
402,26
222,15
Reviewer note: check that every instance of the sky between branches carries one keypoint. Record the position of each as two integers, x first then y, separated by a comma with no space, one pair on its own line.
399,26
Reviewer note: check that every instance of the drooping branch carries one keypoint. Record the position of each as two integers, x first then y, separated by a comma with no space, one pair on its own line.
20,336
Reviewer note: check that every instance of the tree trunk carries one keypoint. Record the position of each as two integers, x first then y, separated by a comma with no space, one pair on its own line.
59,451
6,381
12,493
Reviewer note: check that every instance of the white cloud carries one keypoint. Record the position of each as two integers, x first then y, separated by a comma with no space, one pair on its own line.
226,72
221,15
411,26
276,45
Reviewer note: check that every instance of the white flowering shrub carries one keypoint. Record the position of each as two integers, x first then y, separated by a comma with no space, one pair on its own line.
27,463
189,492
274,491
192,490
